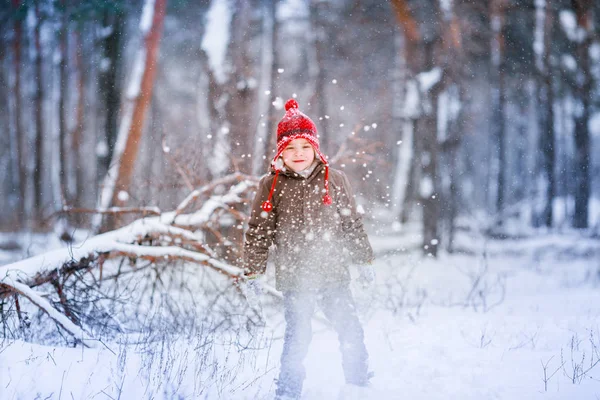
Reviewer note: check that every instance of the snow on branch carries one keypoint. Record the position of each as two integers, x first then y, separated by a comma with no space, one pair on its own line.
44,305
169,236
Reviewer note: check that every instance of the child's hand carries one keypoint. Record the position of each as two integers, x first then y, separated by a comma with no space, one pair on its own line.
252,290
366,276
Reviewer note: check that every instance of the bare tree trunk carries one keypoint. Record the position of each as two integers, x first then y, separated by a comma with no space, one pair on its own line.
8,163
403,120
429,185
138,98
270,117
422,58
20,139
319,97
546,109
451,127
109,83
498,100
62,117
412,45
583,10
414,172
240,109
219,148
38,111
267,71
429,193
77,134
452,201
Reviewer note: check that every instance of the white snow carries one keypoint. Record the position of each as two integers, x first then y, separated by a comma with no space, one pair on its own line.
104,31
278,103
568,22
446,6
123,196
216,38
135,83
569,62
594,124
538,33
595,51
426,187
429,79
464,327
292,10
105,64
218,162
405,154
412,100
147,16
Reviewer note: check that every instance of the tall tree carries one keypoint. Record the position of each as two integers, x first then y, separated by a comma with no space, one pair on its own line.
38,98
138,96
109,80
79,127
241,103
319,11
422,52
402,117
545,26
583,92
497,12
17,110
268,74
450,125
219,21
63,33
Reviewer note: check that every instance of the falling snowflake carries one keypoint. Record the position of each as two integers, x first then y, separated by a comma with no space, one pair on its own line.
102,149
123,196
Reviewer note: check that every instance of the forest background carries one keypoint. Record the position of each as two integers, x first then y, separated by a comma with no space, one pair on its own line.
434,109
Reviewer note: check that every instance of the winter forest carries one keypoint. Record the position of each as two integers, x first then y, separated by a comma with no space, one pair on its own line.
133,135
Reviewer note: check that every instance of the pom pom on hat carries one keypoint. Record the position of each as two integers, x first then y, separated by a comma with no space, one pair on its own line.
291,103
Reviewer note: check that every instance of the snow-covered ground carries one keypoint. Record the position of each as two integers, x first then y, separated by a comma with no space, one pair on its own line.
484,324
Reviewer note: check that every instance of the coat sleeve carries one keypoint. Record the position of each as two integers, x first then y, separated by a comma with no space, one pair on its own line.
355,237
261,231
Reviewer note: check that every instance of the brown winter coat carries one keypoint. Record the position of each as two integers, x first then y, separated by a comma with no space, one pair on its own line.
313,243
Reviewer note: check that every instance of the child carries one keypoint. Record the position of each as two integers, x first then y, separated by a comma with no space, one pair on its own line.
307,211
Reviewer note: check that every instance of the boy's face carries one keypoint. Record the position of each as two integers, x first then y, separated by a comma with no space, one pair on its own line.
298,155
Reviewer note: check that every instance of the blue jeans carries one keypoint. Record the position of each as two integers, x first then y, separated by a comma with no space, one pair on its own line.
339,308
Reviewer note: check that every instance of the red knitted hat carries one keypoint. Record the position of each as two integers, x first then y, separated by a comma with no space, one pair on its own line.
296,125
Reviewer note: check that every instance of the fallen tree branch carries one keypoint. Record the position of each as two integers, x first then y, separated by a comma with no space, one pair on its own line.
229,179
77,332
111,210
168,236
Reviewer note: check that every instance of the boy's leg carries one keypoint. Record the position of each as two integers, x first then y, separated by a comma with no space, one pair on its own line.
338,305
298,308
